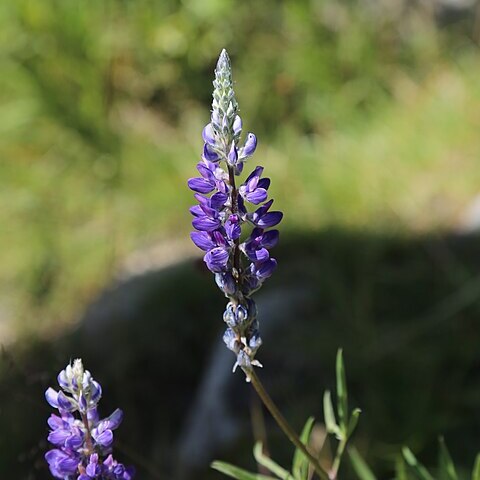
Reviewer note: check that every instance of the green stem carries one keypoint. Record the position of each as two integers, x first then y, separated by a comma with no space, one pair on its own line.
338,458
283,424
88,436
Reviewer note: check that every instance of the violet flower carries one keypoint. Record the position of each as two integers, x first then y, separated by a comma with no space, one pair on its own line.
82,441
241,263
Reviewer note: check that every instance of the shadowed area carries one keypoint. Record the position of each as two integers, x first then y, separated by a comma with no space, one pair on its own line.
405,310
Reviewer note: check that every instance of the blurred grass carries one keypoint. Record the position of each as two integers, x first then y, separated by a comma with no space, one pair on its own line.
367,117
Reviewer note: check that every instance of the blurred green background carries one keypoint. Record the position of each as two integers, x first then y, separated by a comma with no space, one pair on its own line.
367,114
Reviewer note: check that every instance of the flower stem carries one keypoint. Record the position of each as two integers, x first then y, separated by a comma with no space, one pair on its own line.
88,438
283,424
234,210
338,458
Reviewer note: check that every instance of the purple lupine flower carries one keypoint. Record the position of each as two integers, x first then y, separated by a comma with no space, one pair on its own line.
81,439
250,146
261,217
257,246
220,219
254,189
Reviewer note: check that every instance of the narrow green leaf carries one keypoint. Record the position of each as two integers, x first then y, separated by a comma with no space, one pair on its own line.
238,473
476,468
300,462
359,465
342,398
329,414
268,463
446,468
352,423
420,471
400,469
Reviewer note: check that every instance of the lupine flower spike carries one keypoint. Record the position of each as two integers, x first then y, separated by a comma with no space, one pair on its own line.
82,441
240,262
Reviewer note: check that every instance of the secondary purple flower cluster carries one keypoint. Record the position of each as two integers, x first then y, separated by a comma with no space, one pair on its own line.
240,262
82,441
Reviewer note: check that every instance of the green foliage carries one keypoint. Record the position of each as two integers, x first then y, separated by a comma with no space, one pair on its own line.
446,468
329,415
476,468
300,464
407,467
301,468
416,467
360,467
342,397
269,464
346,423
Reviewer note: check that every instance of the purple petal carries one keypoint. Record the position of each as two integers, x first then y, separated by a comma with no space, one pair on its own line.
256,234
96,391
54,422
222,186
53,456
208,134
68,465
200,185
104,439
197,211
202,240
92,415
270,238
226,282
210,212
61,465
259,195
109,461
263,209
241,205
206,170
237,125
217,201
66,403
58,437
217,259
258,255
270,219
52,397
233,228
256,173
206,224
74,441
265,269
250,145
202,200
92,472
62,379
252,183
83,402
233,154
115,419
219,239
264,183
209,154
239,168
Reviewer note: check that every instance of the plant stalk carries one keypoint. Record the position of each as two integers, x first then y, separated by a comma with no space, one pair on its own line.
332,474
283,424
